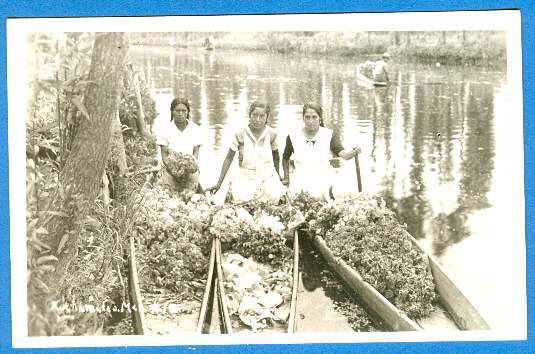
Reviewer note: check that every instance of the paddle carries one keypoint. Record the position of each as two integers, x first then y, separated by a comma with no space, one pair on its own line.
357,166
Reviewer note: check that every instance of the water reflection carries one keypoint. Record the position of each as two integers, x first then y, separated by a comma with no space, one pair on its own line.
427,148
430,150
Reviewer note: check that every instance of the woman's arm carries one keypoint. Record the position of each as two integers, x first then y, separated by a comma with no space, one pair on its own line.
224,170
276,160
338,150
196,152
349,154
165,153
288,151
274,150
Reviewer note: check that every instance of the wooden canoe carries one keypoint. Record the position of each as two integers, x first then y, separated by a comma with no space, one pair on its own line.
365,81
295,284
220,288
290,328
454,301
139,319
463,313
138,315
208,295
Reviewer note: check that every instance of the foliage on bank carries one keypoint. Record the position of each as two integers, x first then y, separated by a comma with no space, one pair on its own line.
481,48
94,290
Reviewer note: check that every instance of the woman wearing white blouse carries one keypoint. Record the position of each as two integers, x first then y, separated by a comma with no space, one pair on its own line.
312,147
181,136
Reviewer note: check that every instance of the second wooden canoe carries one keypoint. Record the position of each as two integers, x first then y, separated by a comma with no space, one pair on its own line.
463,313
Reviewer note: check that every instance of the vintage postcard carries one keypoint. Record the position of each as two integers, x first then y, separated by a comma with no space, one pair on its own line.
266,179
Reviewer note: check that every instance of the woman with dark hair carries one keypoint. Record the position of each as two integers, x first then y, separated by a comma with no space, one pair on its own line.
312,147
181,136
258,160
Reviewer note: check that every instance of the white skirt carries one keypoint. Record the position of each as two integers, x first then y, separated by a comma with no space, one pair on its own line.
248,185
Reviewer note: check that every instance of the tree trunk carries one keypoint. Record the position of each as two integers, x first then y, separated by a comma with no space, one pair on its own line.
396,39
140,121
118,144
81,177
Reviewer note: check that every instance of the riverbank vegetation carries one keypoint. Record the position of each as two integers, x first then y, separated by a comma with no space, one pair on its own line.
481,48
83,151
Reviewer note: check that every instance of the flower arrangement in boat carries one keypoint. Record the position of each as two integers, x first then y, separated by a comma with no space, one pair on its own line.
368,237
173,246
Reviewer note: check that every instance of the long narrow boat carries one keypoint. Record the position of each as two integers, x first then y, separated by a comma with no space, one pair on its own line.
365,81
220,289
208,315
464,315
290,325
138,313
295,284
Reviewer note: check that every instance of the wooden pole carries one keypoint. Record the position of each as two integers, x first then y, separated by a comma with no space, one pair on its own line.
135,85
357,166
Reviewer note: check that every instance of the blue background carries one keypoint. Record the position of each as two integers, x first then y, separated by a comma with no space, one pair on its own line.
161,7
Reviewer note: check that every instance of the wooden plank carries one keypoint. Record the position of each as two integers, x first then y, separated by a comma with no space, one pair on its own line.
138,314
222,298
295,284
456,303
393,319
208,289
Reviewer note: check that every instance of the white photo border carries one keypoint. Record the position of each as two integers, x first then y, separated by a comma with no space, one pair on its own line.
17,31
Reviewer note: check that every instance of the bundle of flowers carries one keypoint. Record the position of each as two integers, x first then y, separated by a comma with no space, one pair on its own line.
367,236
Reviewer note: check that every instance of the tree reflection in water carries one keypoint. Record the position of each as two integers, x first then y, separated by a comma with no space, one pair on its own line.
429,149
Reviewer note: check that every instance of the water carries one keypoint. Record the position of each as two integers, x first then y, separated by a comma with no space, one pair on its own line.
438,151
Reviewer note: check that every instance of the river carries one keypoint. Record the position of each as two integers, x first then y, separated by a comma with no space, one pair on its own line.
436,146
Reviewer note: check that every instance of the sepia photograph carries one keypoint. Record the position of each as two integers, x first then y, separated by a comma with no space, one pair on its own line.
266,179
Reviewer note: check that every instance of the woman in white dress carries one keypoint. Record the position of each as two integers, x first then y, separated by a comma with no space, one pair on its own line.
257,176
313,146
181,136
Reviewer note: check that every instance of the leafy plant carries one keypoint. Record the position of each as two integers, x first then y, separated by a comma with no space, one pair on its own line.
368,237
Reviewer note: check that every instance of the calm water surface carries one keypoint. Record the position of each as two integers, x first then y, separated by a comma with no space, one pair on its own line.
438,151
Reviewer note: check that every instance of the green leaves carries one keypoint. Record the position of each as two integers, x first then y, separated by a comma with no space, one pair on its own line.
62,243
45,259
368,237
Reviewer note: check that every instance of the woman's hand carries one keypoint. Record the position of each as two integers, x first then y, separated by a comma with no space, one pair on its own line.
356,150
285,181
214,189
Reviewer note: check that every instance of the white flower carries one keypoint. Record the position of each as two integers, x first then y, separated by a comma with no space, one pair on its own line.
172,309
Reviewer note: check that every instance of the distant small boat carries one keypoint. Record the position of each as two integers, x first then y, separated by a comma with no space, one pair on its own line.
209,47
365,81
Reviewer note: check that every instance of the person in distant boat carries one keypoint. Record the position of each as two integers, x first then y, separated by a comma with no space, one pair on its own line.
181,136
258,160
312,147
380,72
